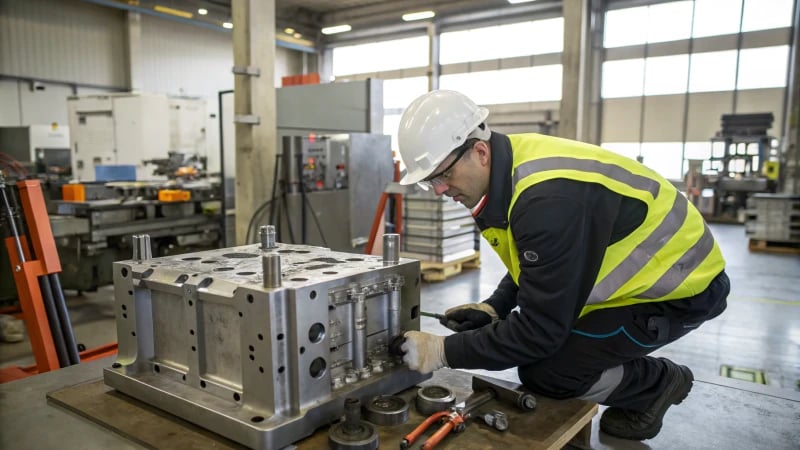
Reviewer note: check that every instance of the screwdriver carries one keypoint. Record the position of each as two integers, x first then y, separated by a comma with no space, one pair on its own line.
434,315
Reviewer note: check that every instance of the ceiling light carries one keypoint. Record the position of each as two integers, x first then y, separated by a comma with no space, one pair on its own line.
202,11
288,30
514,2
418,15
297,35
336,29
173,11
227,25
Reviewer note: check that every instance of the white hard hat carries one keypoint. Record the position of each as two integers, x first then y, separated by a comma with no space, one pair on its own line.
434,125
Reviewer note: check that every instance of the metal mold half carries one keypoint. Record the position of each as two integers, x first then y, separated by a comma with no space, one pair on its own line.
263,366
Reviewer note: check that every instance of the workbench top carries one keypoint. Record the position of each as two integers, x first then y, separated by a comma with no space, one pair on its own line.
719,413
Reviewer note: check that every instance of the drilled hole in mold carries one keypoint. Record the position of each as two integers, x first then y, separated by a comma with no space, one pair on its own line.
252,349
280,336
205,283
182,278
252,357
312,294
208,261
124,307
249,298
245,273
133,333
191,258
302,350
236,396
130,292
281,369
260,369
260,337
202,384
299,279
317,368
124,315
194,349
355,259
256,419
157,368
316,332
124,272
330,272
240,255
223,269
191,332
240,314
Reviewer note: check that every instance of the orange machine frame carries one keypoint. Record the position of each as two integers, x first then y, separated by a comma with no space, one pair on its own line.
26,275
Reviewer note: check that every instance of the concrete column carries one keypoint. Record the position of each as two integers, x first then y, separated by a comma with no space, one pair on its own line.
253,106
790,167
576,61
433,55
134,37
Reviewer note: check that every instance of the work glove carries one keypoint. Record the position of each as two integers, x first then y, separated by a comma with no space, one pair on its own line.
469,317
424,352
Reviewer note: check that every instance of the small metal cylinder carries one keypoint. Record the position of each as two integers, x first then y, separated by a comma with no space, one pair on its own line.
267,235
391,249
360,327
271,265
141,247
394,313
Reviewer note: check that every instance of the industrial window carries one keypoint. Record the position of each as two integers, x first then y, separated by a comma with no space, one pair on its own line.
623,78
665,158
527,84
666,75
716,17
503,41
381,56
764,67
627,149
656,23
713,71
398,93
673,20
766,14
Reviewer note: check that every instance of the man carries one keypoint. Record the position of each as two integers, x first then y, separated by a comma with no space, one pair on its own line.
606,262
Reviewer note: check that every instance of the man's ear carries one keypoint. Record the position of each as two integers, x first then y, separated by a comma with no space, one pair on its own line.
483,151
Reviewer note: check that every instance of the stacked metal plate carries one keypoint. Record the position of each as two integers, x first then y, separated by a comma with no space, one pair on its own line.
437,229
773,217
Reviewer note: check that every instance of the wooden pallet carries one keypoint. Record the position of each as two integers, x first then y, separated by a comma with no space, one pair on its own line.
436,271
760,245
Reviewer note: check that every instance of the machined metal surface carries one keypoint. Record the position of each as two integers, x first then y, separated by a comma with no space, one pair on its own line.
200,336
386,410
431,399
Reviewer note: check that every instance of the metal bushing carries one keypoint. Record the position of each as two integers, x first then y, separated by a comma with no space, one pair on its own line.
386,410
348,436
431,399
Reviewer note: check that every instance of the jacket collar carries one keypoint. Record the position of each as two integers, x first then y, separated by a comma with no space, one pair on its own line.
495,213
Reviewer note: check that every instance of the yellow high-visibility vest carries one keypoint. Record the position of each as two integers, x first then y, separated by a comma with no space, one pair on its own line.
671,255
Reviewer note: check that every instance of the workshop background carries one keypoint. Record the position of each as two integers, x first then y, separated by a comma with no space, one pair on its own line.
195,122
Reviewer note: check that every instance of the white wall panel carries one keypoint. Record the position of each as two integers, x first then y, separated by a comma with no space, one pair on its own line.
621,119
761,101
705,111
663,118
64,40
9,104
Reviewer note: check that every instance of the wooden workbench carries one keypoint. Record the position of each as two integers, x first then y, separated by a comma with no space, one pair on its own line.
551,426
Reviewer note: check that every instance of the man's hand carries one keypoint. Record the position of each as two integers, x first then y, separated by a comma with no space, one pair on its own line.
424,351
469,317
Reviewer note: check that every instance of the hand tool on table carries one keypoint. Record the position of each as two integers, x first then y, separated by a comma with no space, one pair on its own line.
483,391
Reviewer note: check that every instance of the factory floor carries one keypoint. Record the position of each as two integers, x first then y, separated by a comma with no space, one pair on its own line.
760,331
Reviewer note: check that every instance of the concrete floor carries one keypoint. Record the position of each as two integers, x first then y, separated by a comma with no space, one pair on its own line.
760,330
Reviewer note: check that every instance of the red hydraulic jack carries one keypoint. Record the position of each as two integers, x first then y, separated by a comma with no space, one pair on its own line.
36,265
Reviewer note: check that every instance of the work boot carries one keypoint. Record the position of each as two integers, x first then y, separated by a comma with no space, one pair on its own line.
635,425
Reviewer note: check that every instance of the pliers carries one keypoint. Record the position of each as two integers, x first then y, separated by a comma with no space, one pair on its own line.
454,420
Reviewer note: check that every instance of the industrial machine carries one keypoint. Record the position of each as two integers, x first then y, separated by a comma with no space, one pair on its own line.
126,129
331,179
38,149
743,162
93,223
263,343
